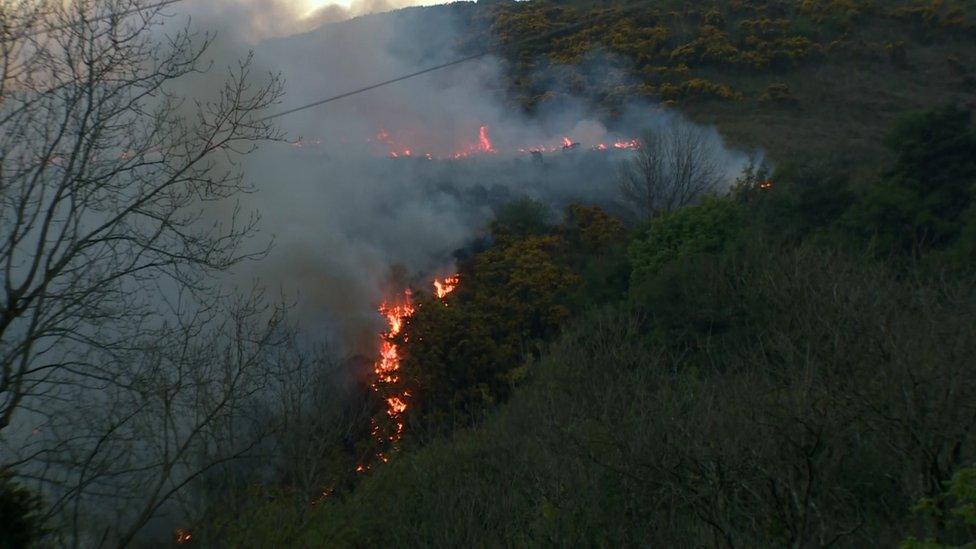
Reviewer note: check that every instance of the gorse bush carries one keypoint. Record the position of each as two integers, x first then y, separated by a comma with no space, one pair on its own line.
820,422
788,365
705,228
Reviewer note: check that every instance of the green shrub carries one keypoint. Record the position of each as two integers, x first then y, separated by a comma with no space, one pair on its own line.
922,202
951,514
21,518
705,228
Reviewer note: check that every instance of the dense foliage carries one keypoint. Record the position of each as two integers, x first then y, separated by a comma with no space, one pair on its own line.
785,75
779,366
785,364
21,516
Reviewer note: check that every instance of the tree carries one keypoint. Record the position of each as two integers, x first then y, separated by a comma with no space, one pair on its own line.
125,371
672,168
22,513
923,201
706,228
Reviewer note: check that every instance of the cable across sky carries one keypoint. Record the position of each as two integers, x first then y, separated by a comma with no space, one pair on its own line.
548,35
164,3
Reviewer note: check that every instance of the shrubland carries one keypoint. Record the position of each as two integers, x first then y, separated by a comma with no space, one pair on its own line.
785,364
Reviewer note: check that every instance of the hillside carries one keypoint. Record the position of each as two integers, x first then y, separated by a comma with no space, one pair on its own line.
780,366
788,363
652,273
813,77
785,364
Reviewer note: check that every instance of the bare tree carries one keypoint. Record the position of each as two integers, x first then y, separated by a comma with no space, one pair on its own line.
105,174
671,168
180,411
121,361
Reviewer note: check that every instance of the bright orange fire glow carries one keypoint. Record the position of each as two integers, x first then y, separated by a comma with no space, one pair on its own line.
446,285
484,142
387,365
404,144
631,144
183,536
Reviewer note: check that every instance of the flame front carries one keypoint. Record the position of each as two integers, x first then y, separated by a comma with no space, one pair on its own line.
387,365
408,144
484,142
446,285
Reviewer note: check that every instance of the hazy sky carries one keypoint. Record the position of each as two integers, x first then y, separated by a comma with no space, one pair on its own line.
311,6
257,20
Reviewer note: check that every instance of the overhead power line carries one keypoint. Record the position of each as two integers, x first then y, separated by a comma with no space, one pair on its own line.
547,36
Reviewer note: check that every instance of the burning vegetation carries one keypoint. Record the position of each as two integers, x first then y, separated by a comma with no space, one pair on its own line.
386,370
408,144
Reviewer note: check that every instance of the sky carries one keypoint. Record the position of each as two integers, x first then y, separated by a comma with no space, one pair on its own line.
275,18
250,22
311,6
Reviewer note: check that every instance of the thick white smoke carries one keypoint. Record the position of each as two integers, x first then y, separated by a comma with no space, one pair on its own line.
341,212
256,20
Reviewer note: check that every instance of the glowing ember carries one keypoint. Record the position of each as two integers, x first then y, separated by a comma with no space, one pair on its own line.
396,406
631,144
404,144
389,361
484,142
388,364
183,536
446,286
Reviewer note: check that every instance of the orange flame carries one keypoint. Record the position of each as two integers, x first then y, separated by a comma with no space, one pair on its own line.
446,285
388,364
183,536
484,142
631,144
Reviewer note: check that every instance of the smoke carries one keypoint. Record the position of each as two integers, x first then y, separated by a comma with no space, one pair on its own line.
342,212
254,20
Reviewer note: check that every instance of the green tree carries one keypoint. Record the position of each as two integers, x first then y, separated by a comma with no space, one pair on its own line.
21,521
461,355
706,228
922,202
952,514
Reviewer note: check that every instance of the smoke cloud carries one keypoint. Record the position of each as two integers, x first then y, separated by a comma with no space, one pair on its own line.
342,210
255,20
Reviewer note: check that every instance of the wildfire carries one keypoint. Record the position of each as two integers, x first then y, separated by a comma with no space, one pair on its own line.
630,144
388,364
484,142
183,536
446,285
405,145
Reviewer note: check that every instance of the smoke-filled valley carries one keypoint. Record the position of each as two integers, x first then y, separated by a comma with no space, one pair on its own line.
410,173
487,273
